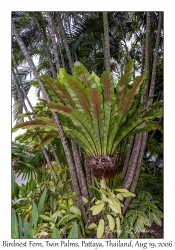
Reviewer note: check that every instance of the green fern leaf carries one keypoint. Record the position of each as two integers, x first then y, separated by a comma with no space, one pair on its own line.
107,84
121,87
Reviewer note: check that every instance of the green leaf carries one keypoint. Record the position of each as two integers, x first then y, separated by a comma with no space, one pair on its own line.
125,131
107,84
42,200
130,213
97,208
77,91
157,212
111,222
132,219
75,210
156,219
116,205
81,72
46,218
113,208
150,125
106,128
20,227
144,218
150,217
128,194
34,124
73,232
122,190
118,225
67,218
129,97
92,226
122,83
96,78
34,215
100,228
139,224
28,232
15,230
51,87
55,234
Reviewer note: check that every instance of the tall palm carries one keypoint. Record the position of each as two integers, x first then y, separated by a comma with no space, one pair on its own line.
140,142
57,122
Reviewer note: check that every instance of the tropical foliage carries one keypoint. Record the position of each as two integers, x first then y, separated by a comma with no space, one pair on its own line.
142,213
44,208
96,110
94,113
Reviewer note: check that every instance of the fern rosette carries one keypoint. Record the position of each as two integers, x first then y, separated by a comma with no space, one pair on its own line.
98,115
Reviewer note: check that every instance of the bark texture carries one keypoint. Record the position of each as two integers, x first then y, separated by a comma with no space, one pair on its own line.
106,41
52,34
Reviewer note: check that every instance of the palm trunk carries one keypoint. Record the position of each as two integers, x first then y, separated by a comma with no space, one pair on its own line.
106,41
55,156
153,76
133,162
126,47
142,139
94,55
54,45
57,122
70,34
137,171
89,180
80,173
45,47
62,58
61,29
147,54
77,159
128,156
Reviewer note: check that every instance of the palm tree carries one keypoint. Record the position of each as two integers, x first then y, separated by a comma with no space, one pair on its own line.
83,40
57,122
137,149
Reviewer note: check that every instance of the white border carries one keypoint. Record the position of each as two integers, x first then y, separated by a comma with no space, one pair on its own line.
5,95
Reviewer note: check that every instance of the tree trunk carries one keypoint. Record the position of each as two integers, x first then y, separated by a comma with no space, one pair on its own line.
127,159
55,156
153,76
89,180
45,47
76,154
61,29
133,162
81,176
106,41
54,45
141,140
57,122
